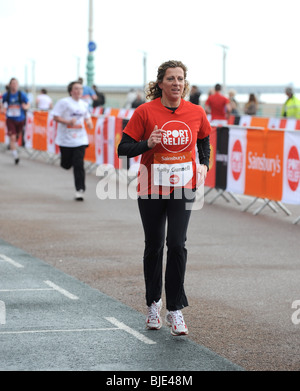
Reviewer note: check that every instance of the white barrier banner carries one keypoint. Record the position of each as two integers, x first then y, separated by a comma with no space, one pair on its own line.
29,129
291,168
236,168
51,134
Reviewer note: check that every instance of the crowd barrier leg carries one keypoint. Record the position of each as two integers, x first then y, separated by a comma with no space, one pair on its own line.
208,190
90,167
250,204
297,220
219,194
267,202
52,158
284,208
236,199
3,147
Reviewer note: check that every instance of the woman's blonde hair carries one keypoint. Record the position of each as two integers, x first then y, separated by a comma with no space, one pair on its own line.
153,91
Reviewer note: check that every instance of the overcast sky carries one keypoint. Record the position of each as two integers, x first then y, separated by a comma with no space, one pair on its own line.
262,36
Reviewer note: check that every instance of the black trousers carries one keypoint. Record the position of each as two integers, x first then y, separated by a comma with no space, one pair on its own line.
74,157
155,213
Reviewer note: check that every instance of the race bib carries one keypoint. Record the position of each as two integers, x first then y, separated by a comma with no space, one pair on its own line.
75,129
172,169
13,111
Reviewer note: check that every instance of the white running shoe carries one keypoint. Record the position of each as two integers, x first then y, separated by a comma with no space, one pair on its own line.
79,195
153,320
174,319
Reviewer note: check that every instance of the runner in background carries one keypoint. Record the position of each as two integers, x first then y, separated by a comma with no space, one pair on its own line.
14,103
72,139
43,101
165,131
218,105
88,94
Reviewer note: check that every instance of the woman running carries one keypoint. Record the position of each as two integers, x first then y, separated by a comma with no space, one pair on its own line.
165,131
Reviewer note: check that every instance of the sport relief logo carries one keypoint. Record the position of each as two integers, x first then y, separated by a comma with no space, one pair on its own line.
177,136
237,160
293,168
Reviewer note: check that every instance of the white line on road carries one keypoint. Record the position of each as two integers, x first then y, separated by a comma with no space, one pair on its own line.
2,312
11,261
61,290
129,330
26,290
56,331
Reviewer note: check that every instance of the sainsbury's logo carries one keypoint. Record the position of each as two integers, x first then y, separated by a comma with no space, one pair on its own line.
263,163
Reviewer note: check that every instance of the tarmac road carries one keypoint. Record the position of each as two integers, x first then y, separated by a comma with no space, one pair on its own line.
242,277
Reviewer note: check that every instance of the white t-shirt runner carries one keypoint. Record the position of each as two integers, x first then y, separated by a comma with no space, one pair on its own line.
76,135
43,102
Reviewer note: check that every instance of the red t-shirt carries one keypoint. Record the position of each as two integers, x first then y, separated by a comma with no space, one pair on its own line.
217,104
171,163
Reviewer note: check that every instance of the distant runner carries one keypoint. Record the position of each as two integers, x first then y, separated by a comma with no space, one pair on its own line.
70,113
15,103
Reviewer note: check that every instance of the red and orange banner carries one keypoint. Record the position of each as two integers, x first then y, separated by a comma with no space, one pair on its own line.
264,164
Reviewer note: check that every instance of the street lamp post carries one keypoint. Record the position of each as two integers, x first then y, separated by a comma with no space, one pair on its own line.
91,48
225,48
145,68
33,86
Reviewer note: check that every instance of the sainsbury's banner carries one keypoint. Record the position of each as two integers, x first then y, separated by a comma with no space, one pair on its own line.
264,164
291,168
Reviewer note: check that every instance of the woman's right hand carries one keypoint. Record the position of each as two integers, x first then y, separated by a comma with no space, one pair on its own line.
155,137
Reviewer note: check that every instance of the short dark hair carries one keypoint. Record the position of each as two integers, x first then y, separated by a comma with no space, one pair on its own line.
218,87
70,85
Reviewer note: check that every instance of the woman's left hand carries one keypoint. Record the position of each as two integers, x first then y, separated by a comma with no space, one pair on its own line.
201,174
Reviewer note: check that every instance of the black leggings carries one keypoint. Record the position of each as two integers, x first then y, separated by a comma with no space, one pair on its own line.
74,157
154,214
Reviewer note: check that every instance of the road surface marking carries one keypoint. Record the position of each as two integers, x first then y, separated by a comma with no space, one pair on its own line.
11,261
26,289
61,290
56,331
2,312
129,330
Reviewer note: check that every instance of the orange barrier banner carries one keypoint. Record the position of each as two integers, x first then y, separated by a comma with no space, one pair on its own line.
264,164
2,127
257,163
90,152
39,137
